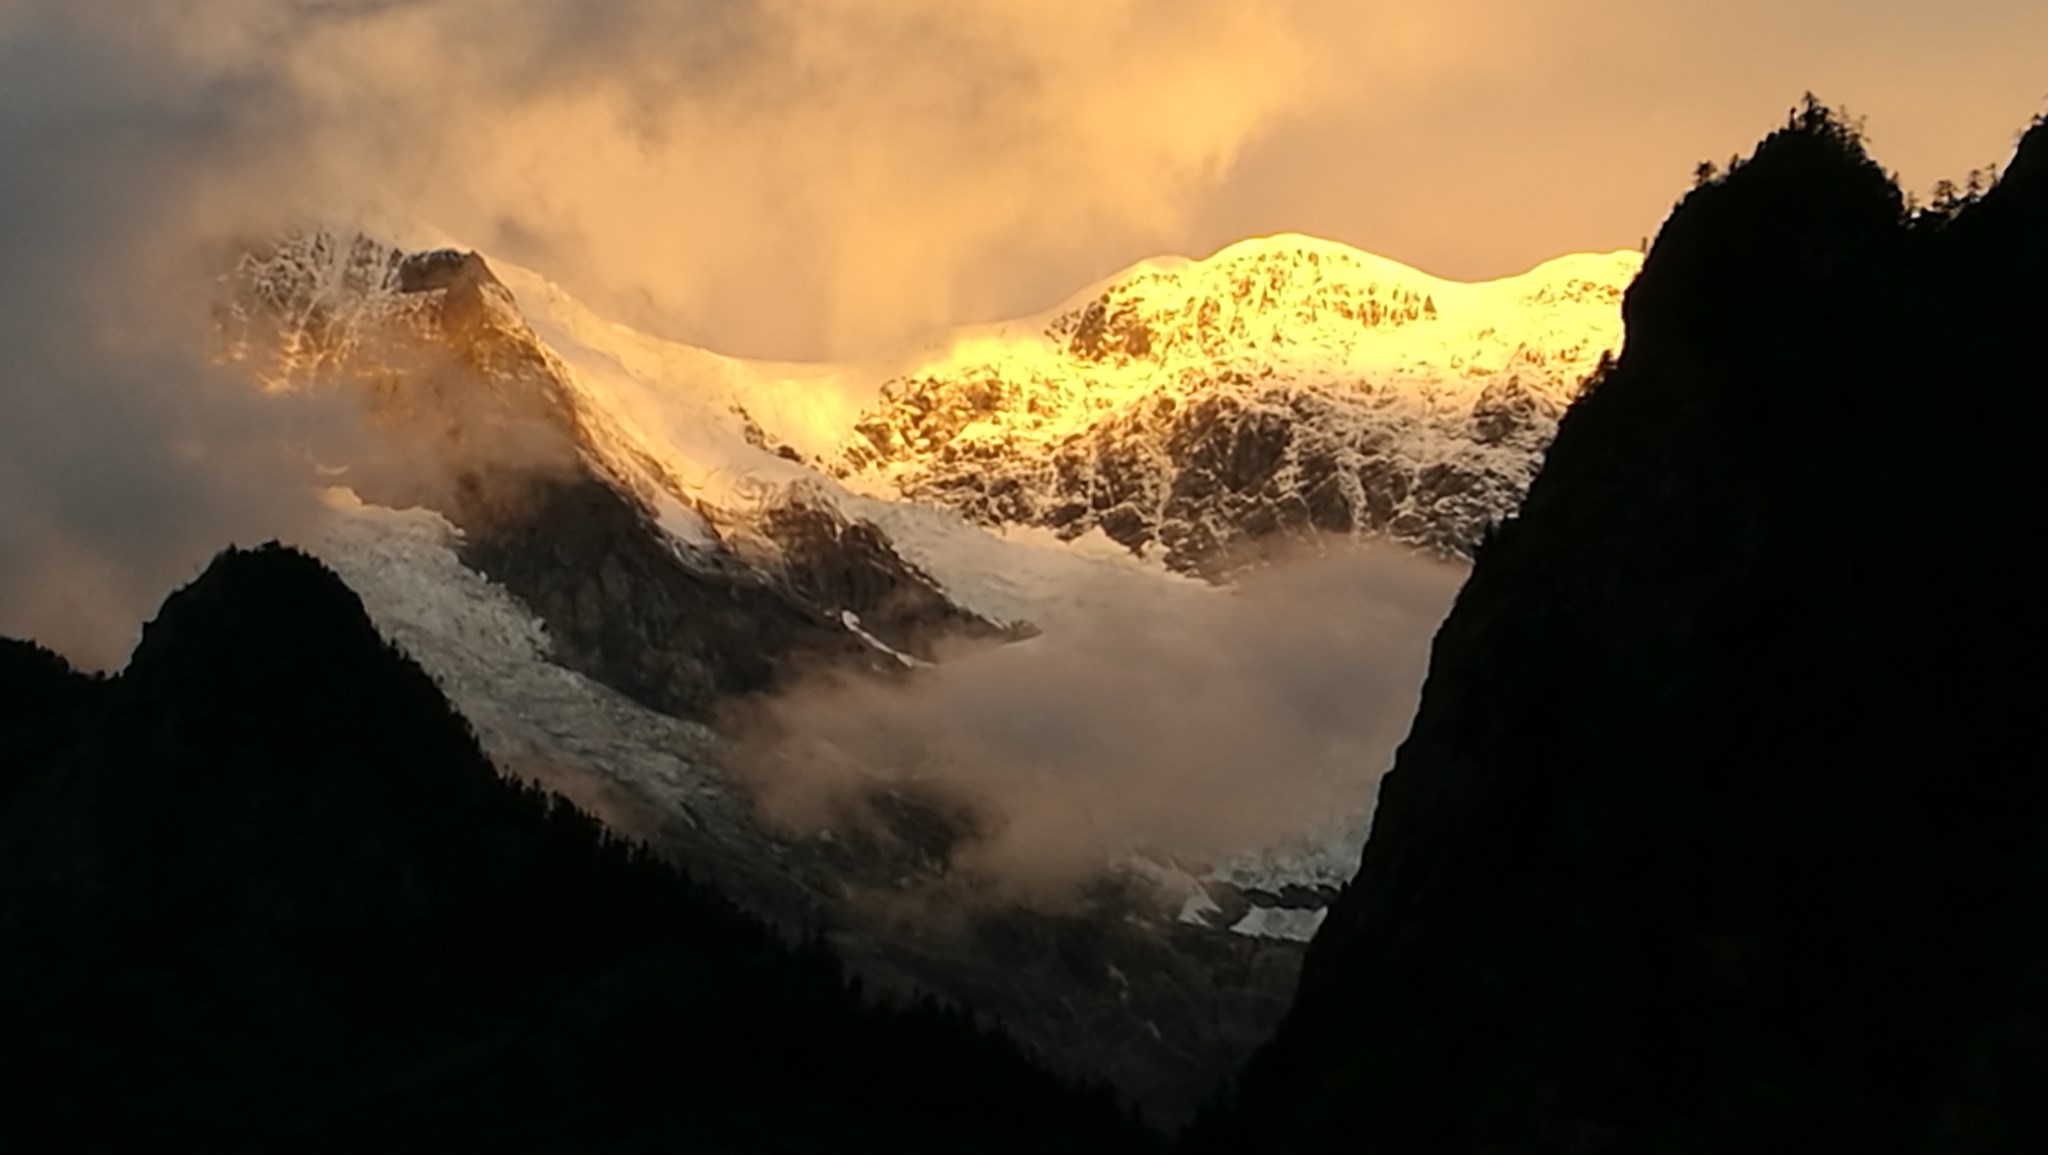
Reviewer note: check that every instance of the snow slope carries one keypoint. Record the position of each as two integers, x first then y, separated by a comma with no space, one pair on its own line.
1185,410
711,420
490,656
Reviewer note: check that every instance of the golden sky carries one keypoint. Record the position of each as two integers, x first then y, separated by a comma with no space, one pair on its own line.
800,178
805,178
808,177
1513,131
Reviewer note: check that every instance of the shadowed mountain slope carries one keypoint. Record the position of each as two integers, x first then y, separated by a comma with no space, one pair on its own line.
263,892
1722,826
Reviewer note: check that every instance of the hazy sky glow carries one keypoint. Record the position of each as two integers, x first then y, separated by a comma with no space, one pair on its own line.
1501,133
800,178
797,177
804,178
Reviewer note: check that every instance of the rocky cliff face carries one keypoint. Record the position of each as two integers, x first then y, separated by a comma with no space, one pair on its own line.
1286,387
1716,829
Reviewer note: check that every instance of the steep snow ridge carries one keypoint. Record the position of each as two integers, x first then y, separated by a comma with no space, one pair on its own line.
489,655
1285,385
1184,409
807,405
648,775
667,419
310,300
702,416
682,403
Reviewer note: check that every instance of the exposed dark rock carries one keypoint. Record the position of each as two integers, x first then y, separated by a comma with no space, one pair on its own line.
639,616
442,269
1212,480
1507,408
850,566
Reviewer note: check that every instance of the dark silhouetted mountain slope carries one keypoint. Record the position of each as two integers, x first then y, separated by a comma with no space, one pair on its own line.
262,891
1723,824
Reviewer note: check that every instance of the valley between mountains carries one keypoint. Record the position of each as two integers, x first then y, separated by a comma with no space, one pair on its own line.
1281,701
785,622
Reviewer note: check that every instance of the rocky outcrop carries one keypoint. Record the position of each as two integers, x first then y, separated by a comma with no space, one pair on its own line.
850,567
1715,830
674,631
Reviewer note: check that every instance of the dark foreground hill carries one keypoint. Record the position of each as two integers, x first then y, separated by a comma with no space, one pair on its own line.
262,892
1722,825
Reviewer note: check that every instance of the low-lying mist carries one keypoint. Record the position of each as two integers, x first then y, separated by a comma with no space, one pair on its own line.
1190,728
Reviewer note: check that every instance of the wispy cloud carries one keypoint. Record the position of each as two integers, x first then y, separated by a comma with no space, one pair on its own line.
1194,728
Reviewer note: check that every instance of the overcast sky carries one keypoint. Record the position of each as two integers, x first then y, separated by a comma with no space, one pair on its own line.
803,178
799,177
1524,129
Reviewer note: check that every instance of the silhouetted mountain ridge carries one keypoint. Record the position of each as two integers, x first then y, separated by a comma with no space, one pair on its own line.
262,891
1715,829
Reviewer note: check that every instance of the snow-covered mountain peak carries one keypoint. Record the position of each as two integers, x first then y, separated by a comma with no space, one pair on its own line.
1309,303
1301,299
1187,409
1284,385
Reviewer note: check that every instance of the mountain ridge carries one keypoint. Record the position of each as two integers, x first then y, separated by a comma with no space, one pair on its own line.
633,499
1163,408
1715,829
263,890
629,581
